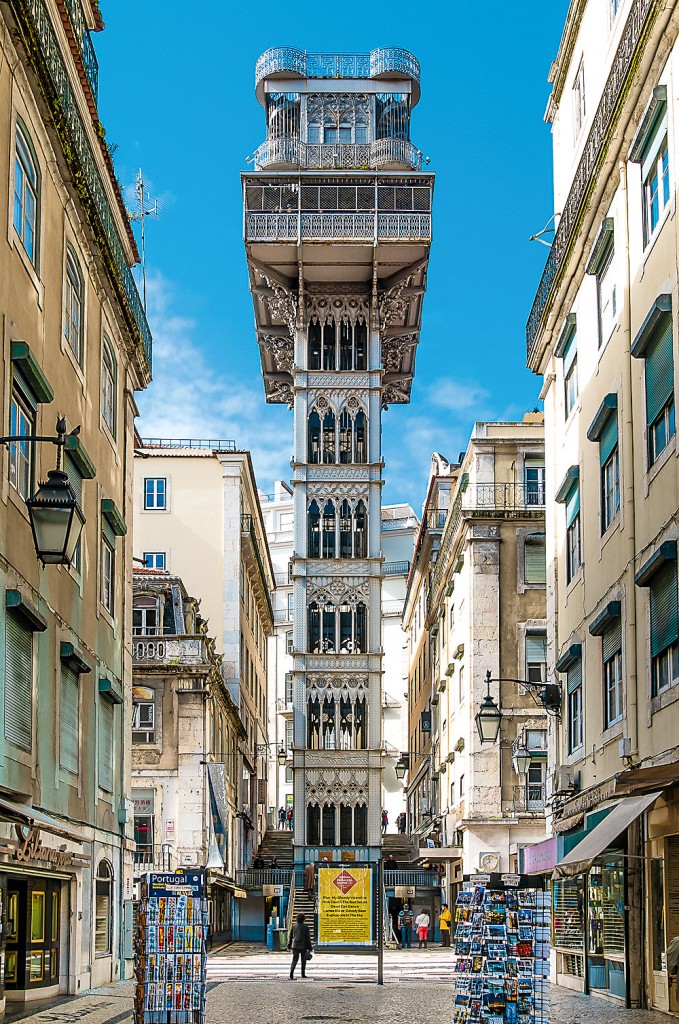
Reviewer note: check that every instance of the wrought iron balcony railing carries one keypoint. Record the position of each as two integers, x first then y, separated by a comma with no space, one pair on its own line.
506,497
282,615
84,41
602,131
51,70
376,64
392,608
529,798
289,152
213,444
334,227
410,876
255,878
435,519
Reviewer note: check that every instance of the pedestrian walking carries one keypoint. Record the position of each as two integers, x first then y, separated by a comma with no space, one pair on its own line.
258,862
281,817
289,818
385,821
422,926
310,877
273,863
405,923
445,919
401,822
390,863
299,942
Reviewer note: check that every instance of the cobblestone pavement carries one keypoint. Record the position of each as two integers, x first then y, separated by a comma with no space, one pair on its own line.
247,984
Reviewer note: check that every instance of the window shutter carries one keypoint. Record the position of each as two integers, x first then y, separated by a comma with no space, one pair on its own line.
659,371
569,353
612,640
535,561
69,719
536,648
573,504
664,608
74,477
18,682
608,439
105,744
574,679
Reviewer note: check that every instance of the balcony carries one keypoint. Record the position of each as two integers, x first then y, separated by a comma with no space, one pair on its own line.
382,154
209,444
601,136
390,608
152,858
435,519
169,650
281,615
527,799
84,43
286,62
396,568
510,497
255,878
337,227
412,876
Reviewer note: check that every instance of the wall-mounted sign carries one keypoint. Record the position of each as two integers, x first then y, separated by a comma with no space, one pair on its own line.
169,827
404,892
272,890
28,846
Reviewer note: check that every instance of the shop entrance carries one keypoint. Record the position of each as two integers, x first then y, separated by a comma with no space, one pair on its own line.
32,940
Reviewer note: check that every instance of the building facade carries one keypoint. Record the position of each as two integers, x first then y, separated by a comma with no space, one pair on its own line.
337,231
199,517
603,336
75,344
483,612
186,732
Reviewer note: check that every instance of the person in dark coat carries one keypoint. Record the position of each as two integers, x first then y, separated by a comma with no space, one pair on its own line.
299,942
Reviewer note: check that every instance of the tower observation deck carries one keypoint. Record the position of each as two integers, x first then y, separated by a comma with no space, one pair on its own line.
337,229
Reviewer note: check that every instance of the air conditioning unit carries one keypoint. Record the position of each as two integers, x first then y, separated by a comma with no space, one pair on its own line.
563,780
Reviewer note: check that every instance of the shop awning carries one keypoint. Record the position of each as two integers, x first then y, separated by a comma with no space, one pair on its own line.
657,776
581,857
22,814
439,853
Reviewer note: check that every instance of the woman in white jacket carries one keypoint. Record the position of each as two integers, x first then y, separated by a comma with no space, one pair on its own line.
422,925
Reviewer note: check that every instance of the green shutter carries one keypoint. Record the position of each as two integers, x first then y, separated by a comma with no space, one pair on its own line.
536,647
659,370
535,559
570,353
74,477
664,608
612,640
574,679
573,503
69,731
18,682
608,439
105,744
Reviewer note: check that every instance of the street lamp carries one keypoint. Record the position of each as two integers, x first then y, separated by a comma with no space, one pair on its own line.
281,755
54,511
521,759
488,717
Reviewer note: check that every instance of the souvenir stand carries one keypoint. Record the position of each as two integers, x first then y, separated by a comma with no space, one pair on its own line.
171,949
502,950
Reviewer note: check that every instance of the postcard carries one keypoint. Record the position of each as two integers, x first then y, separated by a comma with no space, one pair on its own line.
525,915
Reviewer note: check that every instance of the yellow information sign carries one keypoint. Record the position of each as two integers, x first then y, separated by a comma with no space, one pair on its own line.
345,906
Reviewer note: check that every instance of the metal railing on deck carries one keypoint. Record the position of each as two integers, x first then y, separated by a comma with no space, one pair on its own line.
84,41
396,568
411,876
255,878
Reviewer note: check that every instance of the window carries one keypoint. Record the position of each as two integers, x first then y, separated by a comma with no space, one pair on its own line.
155,560
535,565
573,555
534,481
103,914
569,354
155,492
18,682
26,195
604,429
660,416
536,658
21,423
108,561
69,719
290,605
105,744
289,645
574,702
288,689
610,489
145,617
606,294
578,101
461,786
74,304
656,190
664,628
612,660
143,715
536,739
109,387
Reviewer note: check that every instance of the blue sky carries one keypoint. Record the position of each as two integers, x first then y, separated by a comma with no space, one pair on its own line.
177,98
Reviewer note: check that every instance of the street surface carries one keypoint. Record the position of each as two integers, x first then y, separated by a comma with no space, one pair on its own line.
248,985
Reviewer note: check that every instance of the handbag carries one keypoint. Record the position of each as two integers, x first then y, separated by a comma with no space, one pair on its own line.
308,955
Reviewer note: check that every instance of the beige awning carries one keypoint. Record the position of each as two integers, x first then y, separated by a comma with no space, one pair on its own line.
581,857
25,815
658,776
438,853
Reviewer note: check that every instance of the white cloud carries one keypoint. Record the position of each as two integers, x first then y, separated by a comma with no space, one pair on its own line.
459,398
190,398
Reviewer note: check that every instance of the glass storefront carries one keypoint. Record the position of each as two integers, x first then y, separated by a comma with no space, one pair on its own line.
32,940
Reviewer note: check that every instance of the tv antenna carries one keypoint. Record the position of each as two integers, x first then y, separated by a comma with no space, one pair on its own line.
549,229
148,207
